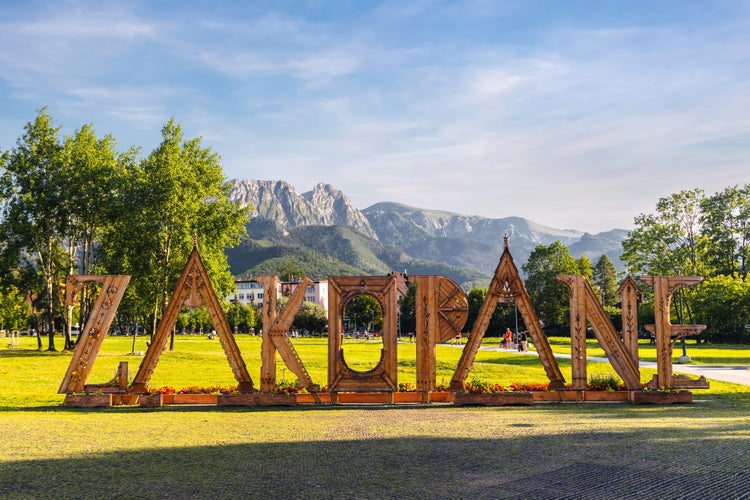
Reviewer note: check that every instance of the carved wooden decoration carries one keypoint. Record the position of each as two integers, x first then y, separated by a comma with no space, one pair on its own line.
382,378
666,333
506,284
629,294
275,328
442,309
93,333
193,289
441,312
585,305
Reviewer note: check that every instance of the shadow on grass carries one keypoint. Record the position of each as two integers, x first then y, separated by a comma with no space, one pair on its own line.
700,400
582,464
33,353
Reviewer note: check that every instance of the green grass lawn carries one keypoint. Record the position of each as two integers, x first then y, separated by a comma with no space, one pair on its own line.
700,354
438,451
32,377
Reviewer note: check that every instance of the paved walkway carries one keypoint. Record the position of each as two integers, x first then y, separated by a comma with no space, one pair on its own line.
736,374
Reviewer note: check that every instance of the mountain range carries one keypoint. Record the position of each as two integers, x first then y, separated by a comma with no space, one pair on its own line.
322,232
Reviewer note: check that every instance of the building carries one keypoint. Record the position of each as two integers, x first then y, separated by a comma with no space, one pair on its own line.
251,293
247,293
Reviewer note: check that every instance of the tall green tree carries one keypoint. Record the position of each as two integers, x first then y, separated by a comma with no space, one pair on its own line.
726,224
312,318
289,271
667,242
550,297
92,176
364,311
408,311
723,304
32,190
605,279
14,309
177,195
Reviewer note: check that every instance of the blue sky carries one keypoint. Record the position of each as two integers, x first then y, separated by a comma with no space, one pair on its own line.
573,114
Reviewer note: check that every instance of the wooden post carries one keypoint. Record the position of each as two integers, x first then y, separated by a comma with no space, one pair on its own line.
665,331
268,318
93,333
585,306
442,309
629,293
577,337
507,282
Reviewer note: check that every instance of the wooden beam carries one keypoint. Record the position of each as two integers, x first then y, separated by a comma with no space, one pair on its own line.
93,333
507,282
585,306
664,287
193,289
275,334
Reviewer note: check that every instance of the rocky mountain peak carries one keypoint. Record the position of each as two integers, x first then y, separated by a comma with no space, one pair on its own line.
279,201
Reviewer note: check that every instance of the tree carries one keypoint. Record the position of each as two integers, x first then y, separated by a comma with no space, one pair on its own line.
549,296
667,242
14,310
723,304
475,299
242,318
32,190
504,315
176,196
289,271
408,311
312,318
726,224
364,311
92,176
585,267
605,279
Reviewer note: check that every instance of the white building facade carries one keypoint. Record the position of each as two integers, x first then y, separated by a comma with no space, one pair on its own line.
251,293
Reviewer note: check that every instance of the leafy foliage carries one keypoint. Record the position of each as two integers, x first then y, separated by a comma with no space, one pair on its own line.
76,205
549,296
694,234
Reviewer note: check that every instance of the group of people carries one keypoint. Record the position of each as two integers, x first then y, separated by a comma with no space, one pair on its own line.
523,343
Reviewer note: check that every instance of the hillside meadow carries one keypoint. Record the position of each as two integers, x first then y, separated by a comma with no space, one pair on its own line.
557,450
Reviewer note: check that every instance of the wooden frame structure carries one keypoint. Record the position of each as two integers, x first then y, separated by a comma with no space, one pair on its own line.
585,305
93,333
507,284
275,328
441,309
666,333
384,376
193,289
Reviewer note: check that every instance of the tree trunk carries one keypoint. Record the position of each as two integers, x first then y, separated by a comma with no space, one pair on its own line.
50,315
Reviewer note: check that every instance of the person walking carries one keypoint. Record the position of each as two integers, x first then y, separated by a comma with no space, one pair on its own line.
523,341
508,338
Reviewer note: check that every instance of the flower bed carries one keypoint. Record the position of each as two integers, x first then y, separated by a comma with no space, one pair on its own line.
493,398
257,399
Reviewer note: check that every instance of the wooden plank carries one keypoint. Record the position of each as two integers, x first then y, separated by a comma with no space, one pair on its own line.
629,293
664,287
507,282
193,289
93,333
585,306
